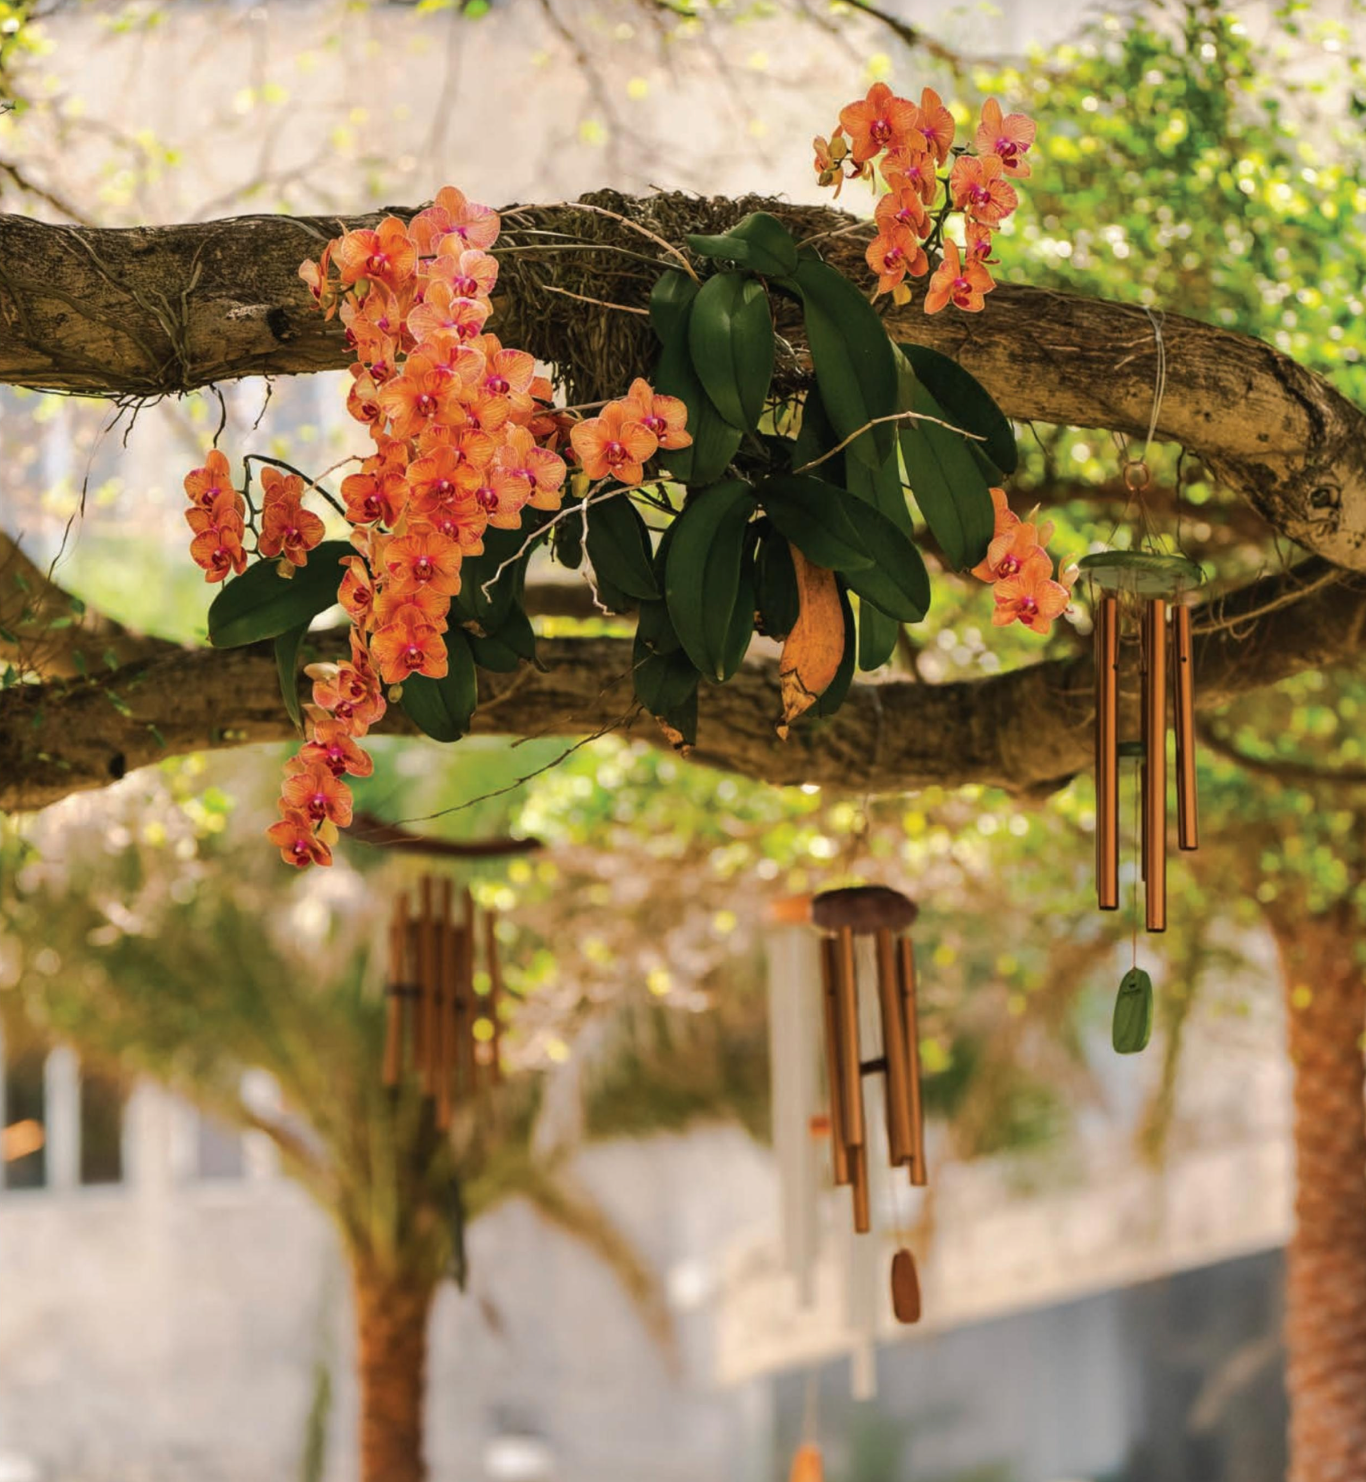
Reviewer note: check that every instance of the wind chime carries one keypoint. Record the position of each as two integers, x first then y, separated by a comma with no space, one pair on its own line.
884,915
438,1027
1142,610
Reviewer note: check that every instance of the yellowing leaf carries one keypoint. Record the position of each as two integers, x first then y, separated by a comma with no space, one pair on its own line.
815,646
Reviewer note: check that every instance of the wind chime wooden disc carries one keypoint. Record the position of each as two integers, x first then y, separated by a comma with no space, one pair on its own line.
1143,573
905,1287
864,909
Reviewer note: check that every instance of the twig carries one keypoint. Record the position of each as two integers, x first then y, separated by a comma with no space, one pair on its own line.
634,226
601,303
877,422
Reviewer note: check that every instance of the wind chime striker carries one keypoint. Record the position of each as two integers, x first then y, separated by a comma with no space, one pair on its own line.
438,1027
884,915
1142,611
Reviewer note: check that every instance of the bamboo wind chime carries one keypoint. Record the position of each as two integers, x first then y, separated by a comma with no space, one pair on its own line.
1137,591
884,915
437,1024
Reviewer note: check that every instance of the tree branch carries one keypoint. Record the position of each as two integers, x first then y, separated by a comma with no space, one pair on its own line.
1028,730
155,311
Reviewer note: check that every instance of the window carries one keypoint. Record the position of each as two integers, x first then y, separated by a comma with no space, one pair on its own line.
23,1151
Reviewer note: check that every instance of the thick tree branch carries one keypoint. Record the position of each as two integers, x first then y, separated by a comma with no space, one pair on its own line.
1028,730
159,310
45,631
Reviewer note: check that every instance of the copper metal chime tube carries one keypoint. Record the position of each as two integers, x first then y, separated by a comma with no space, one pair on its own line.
1155,762
919,1172
897,1074
839,1150
1183,697
846,1008
1107,753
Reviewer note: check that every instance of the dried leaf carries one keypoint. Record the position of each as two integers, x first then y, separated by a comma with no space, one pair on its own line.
815,646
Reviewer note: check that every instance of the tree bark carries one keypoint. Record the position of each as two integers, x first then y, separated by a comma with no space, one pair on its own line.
155,311
392,1314
1028,730
1325,1329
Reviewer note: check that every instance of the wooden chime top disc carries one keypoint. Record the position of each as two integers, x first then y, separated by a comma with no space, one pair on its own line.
864,909
905,1287
1145,573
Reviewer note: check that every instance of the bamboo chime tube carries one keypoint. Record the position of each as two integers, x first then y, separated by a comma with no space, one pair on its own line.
1183,692
1107,754
846,1004
894,1047
398,985
1155,764
911,1019
839,1152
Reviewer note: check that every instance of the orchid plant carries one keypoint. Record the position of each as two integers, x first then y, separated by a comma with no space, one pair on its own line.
770,508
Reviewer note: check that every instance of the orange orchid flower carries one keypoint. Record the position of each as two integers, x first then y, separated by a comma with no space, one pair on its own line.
452,214
470,272
462,519
1013,549
418,607
500,495
665,416
979,244
903,207
298,844
507,373
1008,138
418,396
204,485
287,528
979,189
371,497
614,445
912,168
443,312
404,649
218,552
350,691
362,400
386,255
423,560
892,254
334,746
357,591
878,122
936,124
1031,597
542,471
312,790
961,284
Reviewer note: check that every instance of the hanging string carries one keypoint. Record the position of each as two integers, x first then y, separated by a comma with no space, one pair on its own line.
1138,853
1137,473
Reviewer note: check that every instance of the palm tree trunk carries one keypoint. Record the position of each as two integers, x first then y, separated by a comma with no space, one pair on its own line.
392,1311
1325,1325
